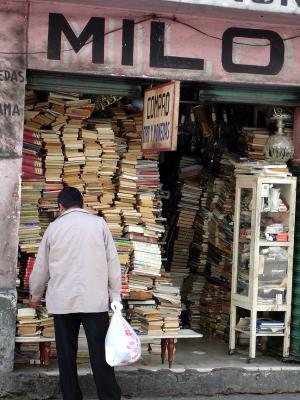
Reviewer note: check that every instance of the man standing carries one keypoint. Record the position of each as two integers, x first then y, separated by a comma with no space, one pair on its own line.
78,260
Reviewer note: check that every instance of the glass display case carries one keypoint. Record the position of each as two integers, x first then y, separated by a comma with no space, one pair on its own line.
262,258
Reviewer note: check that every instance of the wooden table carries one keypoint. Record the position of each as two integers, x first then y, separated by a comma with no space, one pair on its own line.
45,346
167,341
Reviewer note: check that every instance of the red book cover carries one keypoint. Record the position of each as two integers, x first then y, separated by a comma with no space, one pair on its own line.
32,163
32,170
148,182
28,133
30,156
32,140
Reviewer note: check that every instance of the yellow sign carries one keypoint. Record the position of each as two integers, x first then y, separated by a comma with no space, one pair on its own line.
160,120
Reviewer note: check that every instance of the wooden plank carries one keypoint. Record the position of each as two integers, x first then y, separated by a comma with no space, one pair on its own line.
182,334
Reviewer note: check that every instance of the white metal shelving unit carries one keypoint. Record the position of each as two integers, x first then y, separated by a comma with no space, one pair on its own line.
261,269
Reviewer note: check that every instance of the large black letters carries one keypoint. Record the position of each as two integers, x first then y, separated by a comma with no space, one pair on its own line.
94,29
157,57
276,51
58,25
127,42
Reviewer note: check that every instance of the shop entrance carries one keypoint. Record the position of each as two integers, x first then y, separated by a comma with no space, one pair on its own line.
171,214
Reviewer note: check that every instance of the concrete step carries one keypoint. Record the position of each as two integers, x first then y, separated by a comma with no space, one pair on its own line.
30,385
202,367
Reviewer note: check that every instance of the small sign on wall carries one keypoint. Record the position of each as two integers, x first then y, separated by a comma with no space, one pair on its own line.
160,120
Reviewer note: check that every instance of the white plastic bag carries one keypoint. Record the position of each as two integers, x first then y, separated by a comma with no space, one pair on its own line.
122,345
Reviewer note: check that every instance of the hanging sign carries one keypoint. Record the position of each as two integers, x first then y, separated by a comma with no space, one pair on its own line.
160,120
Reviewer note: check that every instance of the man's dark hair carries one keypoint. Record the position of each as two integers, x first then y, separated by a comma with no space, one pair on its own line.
70,197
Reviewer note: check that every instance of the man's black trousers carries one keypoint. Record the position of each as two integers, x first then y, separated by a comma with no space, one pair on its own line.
66,333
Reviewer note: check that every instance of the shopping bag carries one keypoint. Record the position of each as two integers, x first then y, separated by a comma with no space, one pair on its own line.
122,345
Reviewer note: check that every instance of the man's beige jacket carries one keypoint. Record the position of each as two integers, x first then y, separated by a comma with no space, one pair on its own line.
79,261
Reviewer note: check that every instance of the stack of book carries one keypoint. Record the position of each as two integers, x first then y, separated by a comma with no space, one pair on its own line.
256,139
135,137
131,221
146,259
27,272
91,170
74,156
48,205
140,287
27,322
121,145
169,302
46,322
214,309
190,174
263,325
71,115
127,181
30,228
261,168
191,294
170,322
220,202
32,166
199,245
269,326
149,205
54,160
109,161
179,267
221,236
113,219
151,320
124,248
147,175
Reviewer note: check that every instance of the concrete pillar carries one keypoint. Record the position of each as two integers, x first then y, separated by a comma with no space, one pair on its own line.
12,90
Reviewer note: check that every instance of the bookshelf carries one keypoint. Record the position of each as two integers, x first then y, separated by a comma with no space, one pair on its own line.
262,264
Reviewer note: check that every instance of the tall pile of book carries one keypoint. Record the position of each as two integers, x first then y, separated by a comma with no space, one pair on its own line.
220,227
169,302
109,161
53,162
91,169
214,309
191,294
30,228
127,182
199,246
32,185
77,111
74,156
190,173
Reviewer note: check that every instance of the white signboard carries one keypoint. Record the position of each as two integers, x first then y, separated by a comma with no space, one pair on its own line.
273,6
160,121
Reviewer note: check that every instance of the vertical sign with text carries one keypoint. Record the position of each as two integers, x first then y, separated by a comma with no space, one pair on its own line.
160,120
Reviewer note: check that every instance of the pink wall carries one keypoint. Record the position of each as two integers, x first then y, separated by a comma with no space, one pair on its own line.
12,87
179,41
